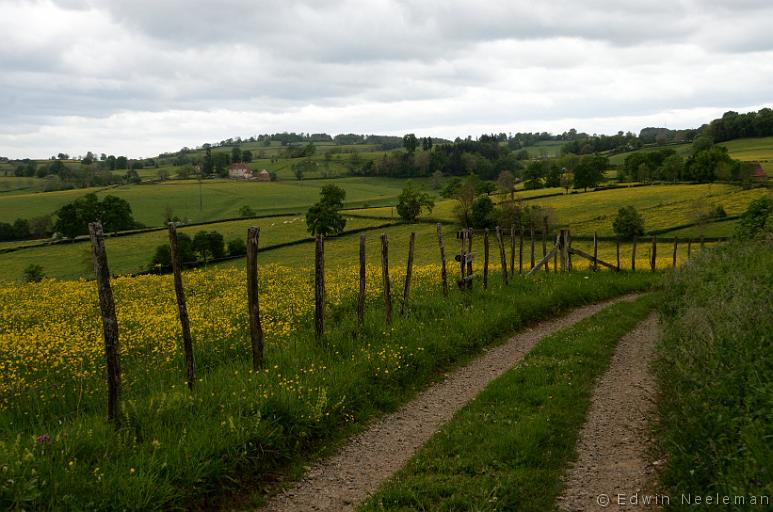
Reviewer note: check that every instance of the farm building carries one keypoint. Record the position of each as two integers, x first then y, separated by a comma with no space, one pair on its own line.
264,175
758,173
239,171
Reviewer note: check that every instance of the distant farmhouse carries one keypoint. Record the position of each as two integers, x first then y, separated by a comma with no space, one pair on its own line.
264,175
240,171
758,173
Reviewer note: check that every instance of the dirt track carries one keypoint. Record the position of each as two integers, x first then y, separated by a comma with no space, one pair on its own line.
345,480
615,462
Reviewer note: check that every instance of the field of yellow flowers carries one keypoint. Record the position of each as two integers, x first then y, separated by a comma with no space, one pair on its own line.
51,334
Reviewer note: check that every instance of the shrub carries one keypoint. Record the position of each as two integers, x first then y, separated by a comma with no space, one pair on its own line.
756,219
33,273
246,211
412,201
628,223
237,247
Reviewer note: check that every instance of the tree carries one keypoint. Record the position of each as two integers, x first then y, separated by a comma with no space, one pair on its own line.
628,223
114,213
209,244
567,180
324,217
590,171
672,168
757,219
506,183
437,180
412,201
483,213
236,154
246,156
410,143
465,198
208,165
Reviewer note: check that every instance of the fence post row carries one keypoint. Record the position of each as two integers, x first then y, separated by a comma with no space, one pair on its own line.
253,301
109,322
443,273
319,287
361,295
408,272
385,274
182,308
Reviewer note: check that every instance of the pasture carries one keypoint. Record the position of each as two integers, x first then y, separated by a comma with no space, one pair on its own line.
208,200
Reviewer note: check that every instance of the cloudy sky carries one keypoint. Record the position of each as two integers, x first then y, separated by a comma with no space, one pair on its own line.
139,77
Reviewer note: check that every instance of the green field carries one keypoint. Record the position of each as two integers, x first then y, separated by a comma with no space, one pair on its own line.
220,199
132,254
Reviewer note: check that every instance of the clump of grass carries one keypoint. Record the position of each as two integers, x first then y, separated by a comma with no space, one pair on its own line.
716,371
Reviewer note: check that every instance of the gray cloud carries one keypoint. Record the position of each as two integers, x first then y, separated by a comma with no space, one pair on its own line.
365,66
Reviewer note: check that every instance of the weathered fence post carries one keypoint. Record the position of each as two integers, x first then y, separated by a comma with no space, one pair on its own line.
520,247
673,263
569,250
253,303
617,252
595,251
408,272
512,249
109,322
531,237
462,257
653,260
361,295
689,247
319,287
485,259
633,255
182,308
385,273
443,274
545,242
469,259
502,254
564,247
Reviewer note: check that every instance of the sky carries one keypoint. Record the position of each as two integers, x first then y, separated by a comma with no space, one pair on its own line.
141,77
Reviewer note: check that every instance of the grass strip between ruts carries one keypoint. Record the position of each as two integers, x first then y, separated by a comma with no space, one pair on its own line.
508,448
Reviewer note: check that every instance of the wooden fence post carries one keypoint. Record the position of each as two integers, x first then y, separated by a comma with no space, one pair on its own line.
520,247
319,287
531,237
673,264
109,322
443,274
361,295
408,272
253,302
462,257
653,260
512,249
689,247
569,250
182,308
633,255
385,273
469,260
502,254
485,259
564,250
545,242
595,251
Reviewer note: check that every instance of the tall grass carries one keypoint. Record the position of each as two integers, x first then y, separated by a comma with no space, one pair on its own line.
176,448
716,372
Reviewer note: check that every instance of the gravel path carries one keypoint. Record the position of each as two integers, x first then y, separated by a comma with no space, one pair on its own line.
615,469
345,480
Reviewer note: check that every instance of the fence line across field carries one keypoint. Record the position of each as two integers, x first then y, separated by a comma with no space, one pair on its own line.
560,253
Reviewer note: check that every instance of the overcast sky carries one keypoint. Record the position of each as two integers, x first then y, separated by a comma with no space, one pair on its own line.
139,77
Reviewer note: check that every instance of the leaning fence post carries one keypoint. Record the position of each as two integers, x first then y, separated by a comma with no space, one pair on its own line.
253,303
673,263
485,259
633,255
109,322
182,308
408,272
319,287
502,254
385,274
361,295
443,274
595,252
653,261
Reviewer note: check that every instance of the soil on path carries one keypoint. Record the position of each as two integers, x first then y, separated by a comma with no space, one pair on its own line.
345,480
615,468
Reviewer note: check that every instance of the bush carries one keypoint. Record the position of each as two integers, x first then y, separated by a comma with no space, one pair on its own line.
33,273
483,213
756,219
628,223
209,245
246,211
237,247
162,258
